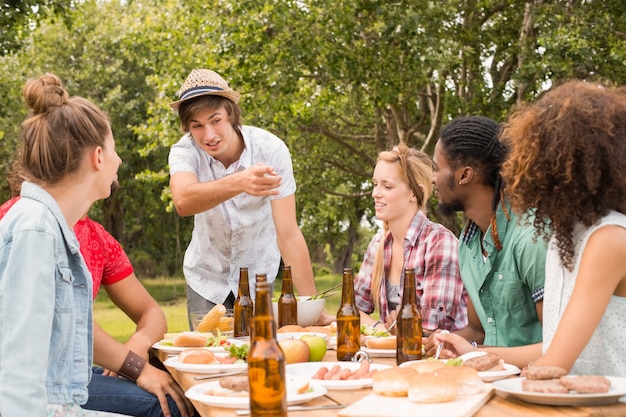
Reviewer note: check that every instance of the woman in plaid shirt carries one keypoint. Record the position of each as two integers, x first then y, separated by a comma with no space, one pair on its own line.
402,186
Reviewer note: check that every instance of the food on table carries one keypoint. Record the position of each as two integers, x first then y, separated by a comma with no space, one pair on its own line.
211,320
239,352
317,347
486,362
432,387
543,372
339,373
548,386
586,384
448,382
235,383
239,386
393,382
554,379
290,328
190,339
197,356
333,327
467,378
295,350
317,329
367,330
388,342
423,367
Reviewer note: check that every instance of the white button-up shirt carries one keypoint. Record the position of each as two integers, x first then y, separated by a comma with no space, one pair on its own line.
240,231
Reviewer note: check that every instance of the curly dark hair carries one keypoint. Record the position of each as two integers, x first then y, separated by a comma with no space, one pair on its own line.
568,159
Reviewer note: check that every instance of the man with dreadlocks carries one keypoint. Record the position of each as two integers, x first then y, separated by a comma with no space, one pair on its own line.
502,264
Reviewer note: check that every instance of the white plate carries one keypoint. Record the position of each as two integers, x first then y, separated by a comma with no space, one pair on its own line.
379,353
513,386
307,369
174,350
490,376
213,368
197,393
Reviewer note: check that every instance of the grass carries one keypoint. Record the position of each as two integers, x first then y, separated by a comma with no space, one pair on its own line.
169,292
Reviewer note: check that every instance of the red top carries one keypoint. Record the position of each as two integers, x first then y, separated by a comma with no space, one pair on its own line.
104,256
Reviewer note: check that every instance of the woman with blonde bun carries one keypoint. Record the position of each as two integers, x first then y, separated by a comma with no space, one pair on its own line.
68,161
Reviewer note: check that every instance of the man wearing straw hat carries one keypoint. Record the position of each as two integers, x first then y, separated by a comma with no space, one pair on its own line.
238,183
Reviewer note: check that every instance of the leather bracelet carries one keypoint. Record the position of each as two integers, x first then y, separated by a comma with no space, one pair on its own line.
132,366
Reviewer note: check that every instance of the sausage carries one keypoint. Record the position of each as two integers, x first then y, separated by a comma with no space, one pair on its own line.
334,370
345,373
361,372
320,373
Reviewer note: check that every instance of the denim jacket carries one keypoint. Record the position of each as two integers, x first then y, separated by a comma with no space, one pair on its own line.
45,309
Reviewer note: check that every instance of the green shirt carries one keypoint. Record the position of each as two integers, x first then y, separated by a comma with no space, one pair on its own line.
505,285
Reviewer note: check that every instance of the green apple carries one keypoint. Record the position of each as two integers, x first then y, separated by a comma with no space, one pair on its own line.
317,346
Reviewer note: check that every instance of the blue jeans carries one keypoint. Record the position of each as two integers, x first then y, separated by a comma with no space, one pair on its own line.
119,395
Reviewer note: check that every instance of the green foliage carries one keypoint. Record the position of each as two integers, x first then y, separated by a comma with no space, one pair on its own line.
337,81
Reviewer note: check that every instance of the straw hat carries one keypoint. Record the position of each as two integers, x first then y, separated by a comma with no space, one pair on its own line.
203,82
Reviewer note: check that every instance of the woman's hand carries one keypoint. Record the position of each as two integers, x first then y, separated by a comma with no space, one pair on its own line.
454,345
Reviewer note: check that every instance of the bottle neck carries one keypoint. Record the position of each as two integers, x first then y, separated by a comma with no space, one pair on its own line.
287,282
408,290
244,285
347,289
264,324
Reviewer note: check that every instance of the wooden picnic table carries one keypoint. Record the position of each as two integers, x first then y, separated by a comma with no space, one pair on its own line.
497,406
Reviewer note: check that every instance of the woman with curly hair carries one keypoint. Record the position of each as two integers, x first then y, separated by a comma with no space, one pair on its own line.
568,161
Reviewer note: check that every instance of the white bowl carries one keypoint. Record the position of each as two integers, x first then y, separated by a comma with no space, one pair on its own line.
308,310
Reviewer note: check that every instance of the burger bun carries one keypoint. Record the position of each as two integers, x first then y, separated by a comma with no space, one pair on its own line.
197,356
392,382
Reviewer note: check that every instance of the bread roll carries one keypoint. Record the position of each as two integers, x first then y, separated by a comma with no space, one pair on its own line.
197,356
190,339
467,378
432,387
317,329
333,327
392,382
388,342
426,366
290,328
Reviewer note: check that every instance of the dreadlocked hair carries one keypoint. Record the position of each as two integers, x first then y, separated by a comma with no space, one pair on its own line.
416,170
473,141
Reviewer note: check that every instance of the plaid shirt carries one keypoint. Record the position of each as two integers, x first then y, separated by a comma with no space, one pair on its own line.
431,250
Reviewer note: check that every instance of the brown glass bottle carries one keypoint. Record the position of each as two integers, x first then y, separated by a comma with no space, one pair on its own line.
409,328
244,306
266,361
348,320
287,303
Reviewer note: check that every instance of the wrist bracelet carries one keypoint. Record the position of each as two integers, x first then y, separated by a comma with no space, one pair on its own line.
132,366
376,324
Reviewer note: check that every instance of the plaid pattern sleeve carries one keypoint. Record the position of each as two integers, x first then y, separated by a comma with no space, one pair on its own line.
439,286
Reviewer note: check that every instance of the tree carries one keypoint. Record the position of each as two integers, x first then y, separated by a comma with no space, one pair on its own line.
338,81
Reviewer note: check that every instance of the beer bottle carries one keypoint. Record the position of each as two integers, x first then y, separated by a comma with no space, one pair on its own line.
244,306
287,303
348,320
266,361
409,330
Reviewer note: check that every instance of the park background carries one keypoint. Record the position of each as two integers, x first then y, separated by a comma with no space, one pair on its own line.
337,81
